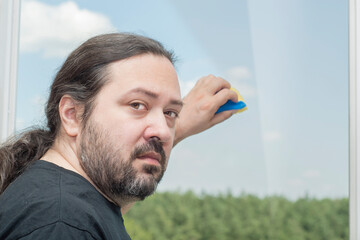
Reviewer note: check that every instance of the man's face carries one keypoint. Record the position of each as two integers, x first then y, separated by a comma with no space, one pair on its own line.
126,143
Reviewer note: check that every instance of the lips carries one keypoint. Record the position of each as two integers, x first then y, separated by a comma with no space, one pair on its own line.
151,158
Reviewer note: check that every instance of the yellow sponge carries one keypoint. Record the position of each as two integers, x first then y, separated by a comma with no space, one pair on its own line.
240,98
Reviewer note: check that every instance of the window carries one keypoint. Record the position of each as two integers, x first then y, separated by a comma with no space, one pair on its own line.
289,60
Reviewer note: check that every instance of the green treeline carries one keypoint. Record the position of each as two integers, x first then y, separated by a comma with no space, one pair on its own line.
187,216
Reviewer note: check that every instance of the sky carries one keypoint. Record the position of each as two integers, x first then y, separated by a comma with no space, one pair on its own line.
288,59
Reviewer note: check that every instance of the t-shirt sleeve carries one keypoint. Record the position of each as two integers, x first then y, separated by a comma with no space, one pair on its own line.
58,231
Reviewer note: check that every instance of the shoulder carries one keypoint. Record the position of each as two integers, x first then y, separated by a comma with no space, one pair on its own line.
29,202
58,230
48,198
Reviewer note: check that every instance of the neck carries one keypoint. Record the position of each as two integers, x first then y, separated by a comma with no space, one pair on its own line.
64,156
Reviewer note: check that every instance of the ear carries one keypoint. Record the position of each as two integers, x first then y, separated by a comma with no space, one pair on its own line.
70,114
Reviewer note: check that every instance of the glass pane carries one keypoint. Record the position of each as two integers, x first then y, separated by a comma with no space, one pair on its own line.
277,170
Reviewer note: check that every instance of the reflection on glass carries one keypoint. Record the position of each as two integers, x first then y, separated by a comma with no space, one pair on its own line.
289,61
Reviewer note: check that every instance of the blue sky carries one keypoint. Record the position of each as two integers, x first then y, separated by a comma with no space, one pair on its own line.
287,58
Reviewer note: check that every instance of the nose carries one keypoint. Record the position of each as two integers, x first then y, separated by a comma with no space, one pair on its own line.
158,128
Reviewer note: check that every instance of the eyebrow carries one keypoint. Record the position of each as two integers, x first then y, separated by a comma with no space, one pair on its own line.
154,95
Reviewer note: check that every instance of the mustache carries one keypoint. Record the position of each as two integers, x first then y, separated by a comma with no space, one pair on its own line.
153,145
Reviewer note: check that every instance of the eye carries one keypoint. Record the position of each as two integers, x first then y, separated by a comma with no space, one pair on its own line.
138,106
171,114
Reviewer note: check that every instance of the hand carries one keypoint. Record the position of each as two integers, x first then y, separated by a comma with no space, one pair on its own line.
200,105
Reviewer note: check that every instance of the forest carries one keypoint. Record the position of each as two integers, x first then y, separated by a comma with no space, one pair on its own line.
190,216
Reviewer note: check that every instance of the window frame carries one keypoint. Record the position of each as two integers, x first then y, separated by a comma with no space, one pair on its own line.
9,45
354,118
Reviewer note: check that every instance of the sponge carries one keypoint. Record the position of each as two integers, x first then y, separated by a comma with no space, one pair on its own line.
230,105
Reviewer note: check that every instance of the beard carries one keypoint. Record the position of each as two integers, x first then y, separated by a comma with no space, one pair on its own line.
112,173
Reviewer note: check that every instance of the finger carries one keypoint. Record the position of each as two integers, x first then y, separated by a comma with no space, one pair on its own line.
233,96
223,96
220,117
214,84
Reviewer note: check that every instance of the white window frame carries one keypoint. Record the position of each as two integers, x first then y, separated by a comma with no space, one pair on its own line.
9,41
354,129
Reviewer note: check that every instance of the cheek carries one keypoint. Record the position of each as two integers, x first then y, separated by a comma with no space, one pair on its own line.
126,135
119,124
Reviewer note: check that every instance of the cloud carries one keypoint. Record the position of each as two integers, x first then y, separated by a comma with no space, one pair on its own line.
238,73
20,123
246,90
186,86
311,173
272,136
237,77
295,182
38,100
38,103
56,30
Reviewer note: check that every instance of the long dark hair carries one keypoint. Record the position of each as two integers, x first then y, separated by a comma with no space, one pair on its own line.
82,76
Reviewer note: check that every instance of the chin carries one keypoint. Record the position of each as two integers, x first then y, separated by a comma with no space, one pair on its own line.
146,186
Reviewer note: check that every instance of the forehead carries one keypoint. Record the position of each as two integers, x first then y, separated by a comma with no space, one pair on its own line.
149,71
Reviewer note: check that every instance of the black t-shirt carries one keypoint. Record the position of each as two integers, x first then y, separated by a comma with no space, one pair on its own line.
50,202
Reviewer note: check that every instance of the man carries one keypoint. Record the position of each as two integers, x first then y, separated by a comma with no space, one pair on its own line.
114,113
